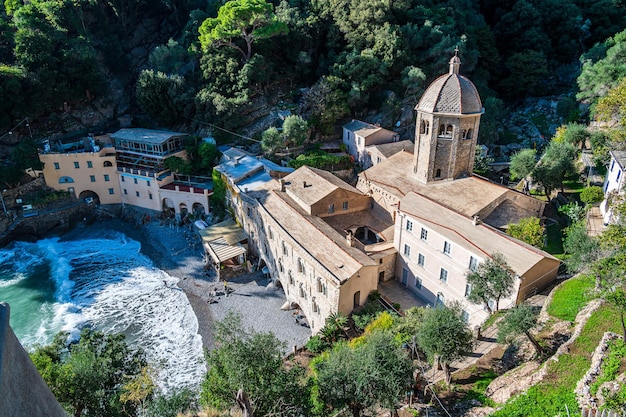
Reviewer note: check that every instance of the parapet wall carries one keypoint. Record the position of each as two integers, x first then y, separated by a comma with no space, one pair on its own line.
23,393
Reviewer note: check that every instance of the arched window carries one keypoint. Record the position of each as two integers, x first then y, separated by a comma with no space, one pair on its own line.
442,129
424,127
291,281
449,130
438,173
269,232
467,133
107,164
280,266
285,252
66,180
301,266
319,285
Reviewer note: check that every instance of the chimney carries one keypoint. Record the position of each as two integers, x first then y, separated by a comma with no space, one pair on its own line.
303,184
282,185
476,220
350,239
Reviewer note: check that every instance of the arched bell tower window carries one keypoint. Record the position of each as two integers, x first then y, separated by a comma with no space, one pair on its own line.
467,133
445,130
424,127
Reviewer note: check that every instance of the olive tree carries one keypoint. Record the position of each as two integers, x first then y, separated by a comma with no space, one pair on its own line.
444,336
374,372
519,320
491,280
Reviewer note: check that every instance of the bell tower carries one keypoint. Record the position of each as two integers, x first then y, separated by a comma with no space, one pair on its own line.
446,129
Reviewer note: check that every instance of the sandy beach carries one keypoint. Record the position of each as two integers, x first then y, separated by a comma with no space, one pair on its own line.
178,251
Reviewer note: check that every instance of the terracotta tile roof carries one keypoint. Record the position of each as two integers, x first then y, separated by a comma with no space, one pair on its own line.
313,234
461,231
319,184
389,149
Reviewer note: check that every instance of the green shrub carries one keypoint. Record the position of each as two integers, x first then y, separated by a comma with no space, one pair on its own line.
592,195
317,345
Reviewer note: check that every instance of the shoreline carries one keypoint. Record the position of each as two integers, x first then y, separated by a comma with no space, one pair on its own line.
171,250
178,251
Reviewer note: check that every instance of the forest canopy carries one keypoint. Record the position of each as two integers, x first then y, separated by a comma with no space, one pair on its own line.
213,59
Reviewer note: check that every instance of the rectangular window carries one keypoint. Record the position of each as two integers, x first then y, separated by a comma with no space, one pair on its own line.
111,191
137,193
473,264
420,260
446,248
125,191
57,166
424,234
443,275
150,196
135,180
612,165
405,276
92,178
148,183
345,205
468,289
409,225
89,164
76,165
418,283
465,316
106,178
407,250
331,208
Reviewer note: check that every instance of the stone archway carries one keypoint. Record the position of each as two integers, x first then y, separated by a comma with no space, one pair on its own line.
183,210
90,197
198,209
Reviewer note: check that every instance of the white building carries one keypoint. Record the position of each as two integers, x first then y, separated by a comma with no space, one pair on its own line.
358,135
614,183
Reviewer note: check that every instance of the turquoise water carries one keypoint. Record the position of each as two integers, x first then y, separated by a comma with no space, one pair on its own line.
102,281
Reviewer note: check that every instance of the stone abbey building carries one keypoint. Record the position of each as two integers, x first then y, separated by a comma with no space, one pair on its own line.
420,218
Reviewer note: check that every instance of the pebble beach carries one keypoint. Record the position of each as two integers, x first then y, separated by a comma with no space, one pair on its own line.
178,251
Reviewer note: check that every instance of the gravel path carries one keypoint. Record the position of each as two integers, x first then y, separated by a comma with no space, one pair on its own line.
178,251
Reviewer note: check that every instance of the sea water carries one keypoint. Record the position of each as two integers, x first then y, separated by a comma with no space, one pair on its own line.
103,282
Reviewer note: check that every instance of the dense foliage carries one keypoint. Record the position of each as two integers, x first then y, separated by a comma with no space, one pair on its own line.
358,55
92,376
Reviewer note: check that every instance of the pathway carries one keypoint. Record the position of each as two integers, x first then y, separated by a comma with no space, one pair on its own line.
395,292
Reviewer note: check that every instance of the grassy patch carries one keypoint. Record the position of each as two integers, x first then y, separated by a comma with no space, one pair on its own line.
477,392
573,186
539,195
554,241
571,297
550,397
492,319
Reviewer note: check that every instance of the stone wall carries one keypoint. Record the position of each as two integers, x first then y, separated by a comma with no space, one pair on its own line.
24,392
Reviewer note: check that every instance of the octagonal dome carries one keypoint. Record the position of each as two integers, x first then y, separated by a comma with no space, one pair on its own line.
451,93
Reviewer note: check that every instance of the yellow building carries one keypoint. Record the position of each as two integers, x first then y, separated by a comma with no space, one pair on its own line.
86,168
125,167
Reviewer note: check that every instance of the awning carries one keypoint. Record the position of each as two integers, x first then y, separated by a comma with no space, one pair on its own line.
229,230
220,250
